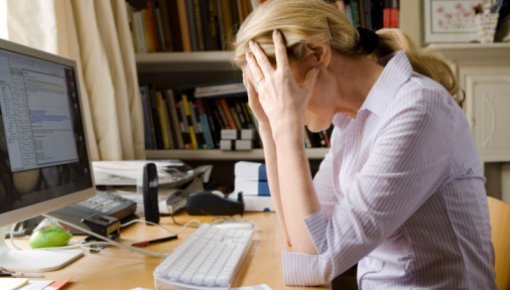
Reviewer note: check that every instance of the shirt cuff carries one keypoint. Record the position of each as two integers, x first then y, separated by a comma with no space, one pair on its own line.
305,269
317,227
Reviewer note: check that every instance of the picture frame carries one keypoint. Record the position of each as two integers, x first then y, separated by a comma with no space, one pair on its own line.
450,21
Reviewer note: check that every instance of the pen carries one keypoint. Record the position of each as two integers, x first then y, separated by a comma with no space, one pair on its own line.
148,242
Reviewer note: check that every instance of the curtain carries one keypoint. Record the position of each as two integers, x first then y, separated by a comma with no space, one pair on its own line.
95,33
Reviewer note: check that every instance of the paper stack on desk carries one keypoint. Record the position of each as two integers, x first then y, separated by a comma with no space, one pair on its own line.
129,172
251,180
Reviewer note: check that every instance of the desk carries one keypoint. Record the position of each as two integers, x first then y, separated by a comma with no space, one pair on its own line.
118,268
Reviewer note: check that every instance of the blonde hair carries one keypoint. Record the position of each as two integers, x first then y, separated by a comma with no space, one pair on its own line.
310,21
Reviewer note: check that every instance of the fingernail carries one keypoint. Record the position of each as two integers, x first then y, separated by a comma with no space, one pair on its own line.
276,32
251,43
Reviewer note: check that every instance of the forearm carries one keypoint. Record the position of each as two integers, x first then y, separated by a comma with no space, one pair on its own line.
273,178
297,192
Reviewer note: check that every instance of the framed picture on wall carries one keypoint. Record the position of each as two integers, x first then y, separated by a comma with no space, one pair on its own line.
450,20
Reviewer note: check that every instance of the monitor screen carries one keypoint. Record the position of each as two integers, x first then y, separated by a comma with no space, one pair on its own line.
44,164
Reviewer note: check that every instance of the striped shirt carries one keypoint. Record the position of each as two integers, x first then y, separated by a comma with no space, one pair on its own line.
402,194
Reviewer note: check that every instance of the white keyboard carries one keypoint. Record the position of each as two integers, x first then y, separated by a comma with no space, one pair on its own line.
208,259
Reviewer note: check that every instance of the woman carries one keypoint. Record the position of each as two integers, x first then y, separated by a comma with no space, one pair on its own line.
401,191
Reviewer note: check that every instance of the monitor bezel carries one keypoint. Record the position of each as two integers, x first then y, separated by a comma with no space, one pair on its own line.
29,211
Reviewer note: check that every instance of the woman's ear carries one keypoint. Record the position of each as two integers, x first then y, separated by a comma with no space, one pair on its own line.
321,52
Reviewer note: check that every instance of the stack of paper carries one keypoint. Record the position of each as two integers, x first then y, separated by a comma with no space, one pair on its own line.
251,180
130,172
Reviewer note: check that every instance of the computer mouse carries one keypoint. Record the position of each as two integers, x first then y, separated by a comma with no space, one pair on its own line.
208,203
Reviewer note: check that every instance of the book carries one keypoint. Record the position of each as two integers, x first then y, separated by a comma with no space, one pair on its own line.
139,31
223,105
190,13
174,119
199,131
204,121
164,121
225,22
165,24
184,26
184,126
211,26
189,121
198,10
150,137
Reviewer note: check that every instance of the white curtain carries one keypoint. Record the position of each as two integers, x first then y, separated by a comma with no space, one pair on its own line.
95,33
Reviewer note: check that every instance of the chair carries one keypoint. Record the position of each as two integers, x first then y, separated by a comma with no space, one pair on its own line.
500,222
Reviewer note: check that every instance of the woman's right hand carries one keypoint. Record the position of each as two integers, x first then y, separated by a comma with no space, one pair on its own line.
253,100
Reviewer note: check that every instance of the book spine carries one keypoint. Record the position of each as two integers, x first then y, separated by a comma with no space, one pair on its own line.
165,25
191,24
189,121
184,26
139,30
228,115
197,17
155,120
202,116
174,119
219,111
174,25
199,131
226,22
184,126
237,121
164,121
147,118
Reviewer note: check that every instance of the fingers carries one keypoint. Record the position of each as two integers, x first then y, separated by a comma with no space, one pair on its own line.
249,87
254,68
261,58
280,50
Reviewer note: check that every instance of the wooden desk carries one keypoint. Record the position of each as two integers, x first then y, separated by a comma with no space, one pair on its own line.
118,268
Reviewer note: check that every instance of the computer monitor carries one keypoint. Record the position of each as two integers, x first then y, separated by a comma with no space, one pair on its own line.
44,160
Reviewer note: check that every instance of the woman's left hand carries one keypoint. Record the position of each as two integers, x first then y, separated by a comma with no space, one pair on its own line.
283,100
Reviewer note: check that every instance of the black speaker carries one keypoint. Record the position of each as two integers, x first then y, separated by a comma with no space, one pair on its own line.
150,193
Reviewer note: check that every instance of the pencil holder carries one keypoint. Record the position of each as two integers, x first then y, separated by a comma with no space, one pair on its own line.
486,24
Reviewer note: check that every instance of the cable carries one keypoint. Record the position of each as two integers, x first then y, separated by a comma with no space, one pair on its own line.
183,226
110,241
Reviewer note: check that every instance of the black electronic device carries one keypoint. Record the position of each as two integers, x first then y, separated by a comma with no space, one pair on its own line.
104,203
150,193
208,203
103,225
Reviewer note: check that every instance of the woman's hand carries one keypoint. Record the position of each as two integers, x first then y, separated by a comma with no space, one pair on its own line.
253,101
281,98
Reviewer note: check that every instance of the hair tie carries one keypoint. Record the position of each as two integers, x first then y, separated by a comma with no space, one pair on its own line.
368,40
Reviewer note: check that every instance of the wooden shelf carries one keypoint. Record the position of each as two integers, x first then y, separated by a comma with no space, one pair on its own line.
185,61
215,154
473,53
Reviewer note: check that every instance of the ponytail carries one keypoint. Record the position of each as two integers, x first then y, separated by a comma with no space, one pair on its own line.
428,64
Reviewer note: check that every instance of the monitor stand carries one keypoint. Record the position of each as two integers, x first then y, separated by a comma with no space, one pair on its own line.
34,260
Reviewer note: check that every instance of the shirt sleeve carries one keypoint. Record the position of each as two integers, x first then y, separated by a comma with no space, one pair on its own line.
407,163
323,181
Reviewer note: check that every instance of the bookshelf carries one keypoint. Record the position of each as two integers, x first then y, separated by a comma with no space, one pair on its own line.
169,68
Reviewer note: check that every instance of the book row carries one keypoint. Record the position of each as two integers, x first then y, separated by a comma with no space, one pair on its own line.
372,14
186,25
194,118
204,25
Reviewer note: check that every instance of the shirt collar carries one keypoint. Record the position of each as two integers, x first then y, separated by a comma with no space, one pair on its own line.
395,73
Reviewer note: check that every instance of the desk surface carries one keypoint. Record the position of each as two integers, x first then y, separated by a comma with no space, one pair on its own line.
118,268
